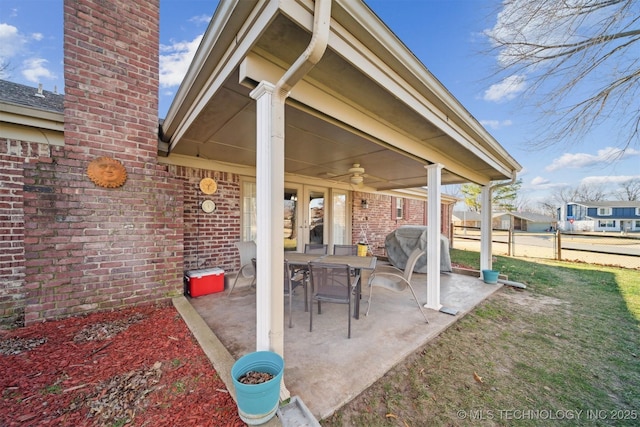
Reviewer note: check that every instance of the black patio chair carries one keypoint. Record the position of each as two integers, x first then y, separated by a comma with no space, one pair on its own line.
316,248
292,280
345,249
331,283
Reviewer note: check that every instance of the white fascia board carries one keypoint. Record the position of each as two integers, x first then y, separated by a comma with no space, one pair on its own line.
368,20
245,37
256,68
22,115
363,59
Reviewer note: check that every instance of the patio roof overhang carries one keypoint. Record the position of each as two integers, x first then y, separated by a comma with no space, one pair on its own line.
368,101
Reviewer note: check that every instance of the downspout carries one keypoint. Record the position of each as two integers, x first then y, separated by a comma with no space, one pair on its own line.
486,255
312,54
270,175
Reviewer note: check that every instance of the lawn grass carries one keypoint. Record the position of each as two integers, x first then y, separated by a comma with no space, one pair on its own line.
565,350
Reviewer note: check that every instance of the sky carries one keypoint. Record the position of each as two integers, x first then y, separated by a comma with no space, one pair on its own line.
447,36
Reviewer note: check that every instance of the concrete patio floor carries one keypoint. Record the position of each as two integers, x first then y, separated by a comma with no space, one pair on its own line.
324,368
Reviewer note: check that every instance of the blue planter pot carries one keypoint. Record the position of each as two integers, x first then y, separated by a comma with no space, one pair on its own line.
490,276
258,403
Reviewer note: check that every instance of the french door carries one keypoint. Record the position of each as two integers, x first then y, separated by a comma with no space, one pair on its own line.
311,215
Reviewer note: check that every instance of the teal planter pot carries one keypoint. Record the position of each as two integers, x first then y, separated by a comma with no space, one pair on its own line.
490,276
258,403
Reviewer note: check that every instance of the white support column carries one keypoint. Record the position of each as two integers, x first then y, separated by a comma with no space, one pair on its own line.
434,201
485,229
270,211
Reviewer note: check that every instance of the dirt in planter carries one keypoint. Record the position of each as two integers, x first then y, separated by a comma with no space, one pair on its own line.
253,377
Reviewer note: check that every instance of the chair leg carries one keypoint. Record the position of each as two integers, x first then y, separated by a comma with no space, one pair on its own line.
290,320
234,283
369,302
349,314
306,299
418,302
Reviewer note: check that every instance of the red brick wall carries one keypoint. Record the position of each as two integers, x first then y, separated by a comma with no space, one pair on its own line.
378,220
13,154
88,247
209,238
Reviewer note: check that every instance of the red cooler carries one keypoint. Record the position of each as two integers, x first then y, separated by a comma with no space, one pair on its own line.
205,281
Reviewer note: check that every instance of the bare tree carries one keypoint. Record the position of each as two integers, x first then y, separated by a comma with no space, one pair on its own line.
581,193
578,58
629,190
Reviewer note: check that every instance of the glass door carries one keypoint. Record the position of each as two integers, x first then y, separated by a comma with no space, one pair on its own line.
291,216
311,215
315,215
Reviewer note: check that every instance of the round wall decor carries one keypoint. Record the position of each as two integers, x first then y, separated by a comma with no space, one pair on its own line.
208,206
208,185
107,172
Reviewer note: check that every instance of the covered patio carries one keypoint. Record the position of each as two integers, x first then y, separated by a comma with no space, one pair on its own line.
324,368
323,93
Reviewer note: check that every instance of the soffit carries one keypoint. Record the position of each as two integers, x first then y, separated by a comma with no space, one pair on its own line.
339,115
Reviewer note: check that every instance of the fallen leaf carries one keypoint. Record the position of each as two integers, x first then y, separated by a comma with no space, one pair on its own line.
477,377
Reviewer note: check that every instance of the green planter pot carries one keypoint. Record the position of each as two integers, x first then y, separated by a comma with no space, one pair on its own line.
490,276
258,403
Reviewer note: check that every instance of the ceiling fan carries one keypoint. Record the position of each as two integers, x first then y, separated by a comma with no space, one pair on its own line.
355,173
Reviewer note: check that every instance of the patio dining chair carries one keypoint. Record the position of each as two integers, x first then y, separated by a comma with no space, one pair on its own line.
331,283
293,280
345,249
316,248
247,251
394,279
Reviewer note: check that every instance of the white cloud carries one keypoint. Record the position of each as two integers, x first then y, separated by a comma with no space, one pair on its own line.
34,70
540,183
496,124
608,179
579,160
201,19
175,60
538,180
37,36
11,41
506,90
523,24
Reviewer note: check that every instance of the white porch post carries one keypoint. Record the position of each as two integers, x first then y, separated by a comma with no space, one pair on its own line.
270,211
434,179
485,228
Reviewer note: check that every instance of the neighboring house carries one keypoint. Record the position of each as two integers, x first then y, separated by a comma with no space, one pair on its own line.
358,150
619,216
524,221
467,219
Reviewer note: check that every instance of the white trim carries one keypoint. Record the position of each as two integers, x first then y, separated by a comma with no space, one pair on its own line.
434,177
605,211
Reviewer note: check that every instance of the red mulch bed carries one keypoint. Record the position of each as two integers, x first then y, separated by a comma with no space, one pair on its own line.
134,367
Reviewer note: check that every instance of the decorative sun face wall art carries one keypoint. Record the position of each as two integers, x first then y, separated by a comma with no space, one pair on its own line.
107,172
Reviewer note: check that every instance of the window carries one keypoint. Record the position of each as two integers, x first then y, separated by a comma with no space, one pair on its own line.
398,207
248,230
607,223
637,211
604,211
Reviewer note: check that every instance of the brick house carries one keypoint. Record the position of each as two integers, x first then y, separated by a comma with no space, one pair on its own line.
71,246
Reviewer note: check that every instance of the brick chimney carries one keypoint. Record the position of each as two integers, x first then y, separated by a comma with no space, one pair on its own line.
92,248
